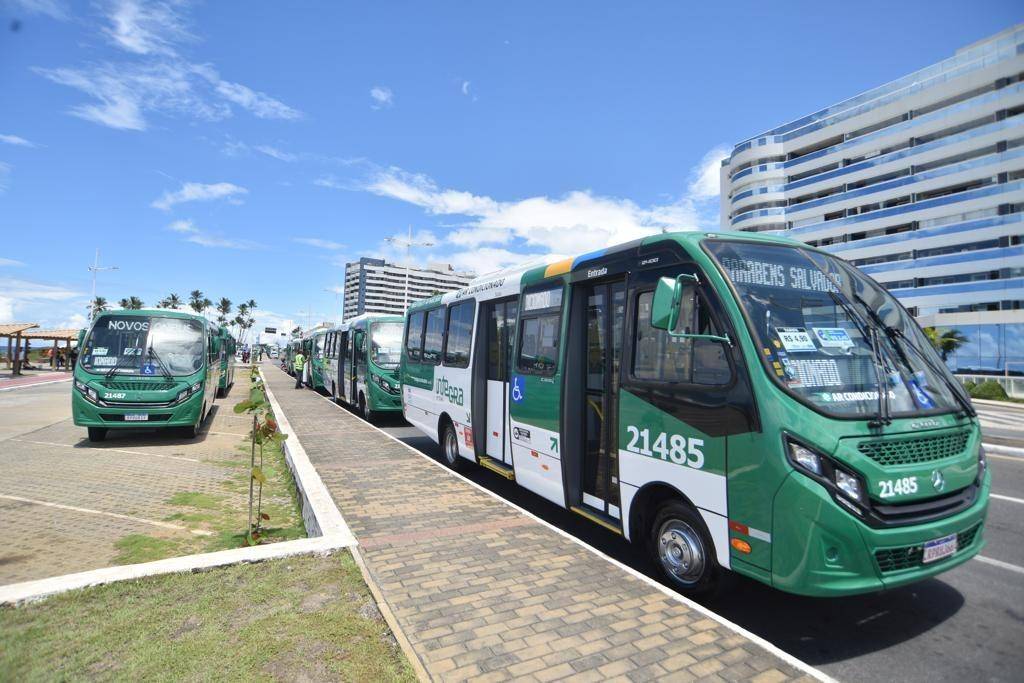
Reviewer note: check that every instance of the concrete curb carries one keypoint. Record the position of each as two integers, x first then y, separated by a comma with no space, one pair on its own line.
323,520
998,404
697,607
1003,450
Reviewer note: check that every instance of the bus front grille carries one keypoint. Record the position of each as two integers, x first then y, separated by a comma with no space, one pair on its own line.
914,450
909,557
139,386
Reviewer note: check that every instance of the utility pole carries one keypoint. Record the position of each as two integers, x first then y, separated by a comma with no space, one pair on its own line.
409,244
95,268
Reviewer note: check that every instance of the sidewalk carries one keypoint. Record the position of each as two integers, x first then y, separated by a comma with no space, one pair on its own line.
30,378
483,591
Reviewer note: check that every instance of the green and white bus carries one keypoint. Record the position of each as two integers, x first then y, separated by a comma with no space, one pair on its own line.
146,368
723,402
227,361
313,348
361,361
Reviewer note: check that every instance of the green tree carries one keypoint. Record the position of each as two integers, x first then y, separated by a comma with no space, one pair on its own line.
223,310
132,303
172,301
947,342
98,305
198,302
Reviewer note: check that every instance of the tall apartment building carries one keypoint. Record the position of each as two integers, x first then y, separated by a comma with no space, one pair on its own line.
375,286
920,183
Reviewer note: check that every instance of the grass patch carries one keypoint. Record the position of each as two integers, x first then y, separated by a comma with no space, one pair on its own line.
303,618
136,548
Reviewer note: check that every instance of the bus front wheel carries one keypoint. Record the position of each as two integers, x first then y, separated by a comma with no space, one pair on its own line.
682,550
450,447
365,411
97,433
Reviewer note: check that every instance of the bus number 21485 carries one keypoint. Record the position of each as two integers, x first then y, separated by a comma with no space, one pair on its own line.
670,447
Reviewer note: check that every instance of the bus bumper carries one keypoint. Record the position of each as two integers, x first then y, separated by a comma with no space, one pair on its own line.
86,414
819,549
383,401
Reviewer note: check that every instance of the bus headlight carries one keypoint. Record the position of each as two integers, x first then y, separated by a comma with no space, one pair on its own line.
982,462
87,392
805,458
848,484
196,387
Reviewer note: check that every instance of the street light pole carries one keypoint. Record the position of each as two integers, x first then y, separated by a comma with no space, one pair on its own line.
409,244
95,268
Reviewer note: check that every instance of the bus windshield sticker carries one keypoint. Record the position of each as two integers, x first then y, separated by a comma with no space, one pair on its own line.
548,298
131,351
750,272
833,337
148,369
99,351
822,372
104,361
795,339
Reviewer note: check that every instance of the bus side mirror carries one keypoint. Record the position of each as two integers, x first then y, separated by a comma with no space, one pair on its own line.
675,302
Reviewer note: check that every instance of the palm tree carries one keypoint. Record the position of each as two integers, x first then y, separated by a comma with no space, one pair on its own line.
172,301
132,303
296,332
98,305
947,342
198,302
224,309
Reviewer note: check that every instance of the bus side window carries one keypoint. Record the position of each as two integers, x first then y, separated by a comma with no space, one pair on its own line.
539,331
459,334
433,335
414,337
657,357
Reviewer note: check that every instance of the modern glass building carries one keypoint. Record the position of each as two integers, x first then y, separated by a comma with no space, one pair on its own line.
920,183
375,286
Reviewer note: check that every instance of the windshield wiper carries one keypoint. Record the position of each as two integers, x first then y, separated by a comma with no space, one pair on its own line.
153,354
117,366
871,335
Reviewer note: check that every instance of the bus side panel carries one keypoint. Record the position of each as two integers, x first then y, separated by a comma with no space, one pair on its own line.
657,447
452,394
536,439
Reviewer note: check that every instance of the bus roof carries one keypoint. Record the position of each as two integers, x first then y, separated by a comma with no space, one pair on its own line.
533,273
154,312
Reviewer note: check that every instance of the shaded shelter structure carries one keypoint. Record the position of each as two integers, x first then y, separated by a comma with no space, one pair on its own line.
13,332
22,334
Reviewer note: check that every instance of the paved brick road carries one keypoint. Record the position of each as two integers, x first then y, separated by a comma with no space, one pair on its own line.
485,592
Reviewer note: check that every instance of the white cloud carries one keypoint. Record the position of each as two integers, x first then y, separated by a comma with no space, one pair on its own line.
382,97
146,28
75,320
15,140
159,80
195,235
198,192
465,88
333,183
705,181
276,153
319,243
51,8
22,298
5,174
9,262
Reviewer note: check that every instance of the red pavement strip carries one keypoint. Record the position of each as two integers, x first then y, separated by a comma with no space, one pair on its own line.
31,381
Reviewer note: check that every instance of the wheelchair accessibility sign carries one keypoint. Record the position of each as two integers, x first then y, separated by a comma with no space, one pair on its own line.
518,389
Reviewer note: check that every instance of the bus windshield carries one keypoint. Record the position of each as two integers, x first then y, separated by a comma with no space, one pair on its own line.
830,335
137,345
386,344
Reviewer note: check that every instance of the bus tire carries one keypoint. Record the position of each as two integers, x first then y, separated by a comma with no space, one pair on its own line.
365,411
681,549
450,447
97,434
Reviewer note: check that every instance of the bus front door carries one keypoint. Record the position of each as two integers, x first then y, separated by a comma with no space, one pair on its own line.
500,317
605,315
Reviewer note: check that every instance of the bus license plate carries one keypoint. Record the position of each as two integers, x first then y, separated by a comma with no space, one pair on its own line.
939,548
136,417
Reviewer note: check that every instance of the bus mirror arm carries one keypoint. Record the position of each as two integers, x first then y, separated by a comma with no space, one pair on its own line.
720,338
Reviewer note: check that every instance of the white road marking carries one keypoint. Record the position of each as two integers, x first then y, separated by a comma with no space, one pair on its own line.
1005,457
115,450
1009,498
153,522
36,384
999,563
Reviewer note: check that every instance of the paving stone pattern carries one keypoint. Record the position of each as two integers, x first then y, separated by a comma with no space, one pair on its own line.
133,473
485,592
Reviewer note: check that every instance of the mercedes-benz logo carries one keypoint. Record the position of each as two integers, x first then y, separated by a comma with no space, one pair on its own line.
938,481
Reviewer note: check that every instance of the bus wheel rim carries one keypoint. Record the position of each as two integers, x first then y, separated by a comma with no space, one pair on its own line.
681,551
451,446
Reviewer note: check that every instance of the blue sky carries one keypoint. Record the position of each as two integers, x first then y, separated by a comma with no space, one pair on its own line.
248,150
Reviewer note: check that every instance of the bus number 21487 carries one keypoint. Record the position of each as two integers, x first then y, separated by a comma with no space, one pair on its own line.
670,447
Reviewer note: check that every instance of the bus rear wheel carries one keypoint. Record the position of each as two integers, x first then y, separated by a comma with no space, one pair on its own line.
97,433
682,550
365,411
450,447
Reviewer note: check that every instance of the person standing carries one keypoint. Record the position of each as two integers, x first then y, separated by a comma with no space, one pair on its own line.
300,364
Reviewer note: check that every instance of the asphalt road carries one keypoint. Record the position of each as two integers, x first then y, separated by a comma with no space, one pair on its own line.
966,624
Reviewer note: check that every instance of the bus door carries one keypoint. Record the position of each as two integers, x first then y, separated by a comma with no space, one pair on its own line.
500,318
358,364
605,309
343,365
